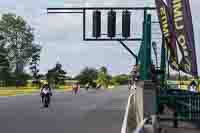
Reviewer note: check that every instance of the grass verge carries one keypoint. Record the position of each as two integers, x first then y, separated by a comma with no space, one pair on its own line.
13,91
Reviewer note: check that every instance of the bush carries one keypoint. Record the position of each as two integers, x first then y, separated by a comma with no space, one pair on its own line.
120,79
113,82
21,79
16,80
87,75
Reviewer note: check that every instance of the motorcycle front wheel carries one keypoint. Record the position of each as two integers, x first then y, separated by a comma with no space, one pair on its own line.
46,102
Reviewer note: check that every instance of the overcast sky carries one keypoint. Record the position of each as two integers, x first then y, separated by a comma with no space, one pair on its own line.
61,35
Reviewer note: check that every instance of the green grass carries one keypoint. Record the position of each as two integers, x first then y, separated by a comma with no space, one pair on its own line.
13,91
111,87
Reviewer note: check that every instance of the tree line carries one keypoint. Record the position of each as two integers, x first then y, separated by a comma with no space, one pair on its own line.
87,76
100,77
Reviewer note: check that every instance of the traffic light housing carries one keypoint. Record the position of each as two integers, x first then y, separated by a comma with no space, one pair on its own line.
126,23
111,24
96,24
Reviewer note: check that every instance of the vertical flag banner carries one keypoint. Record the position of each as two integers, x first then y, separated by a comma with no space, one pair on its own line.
183,28
168,34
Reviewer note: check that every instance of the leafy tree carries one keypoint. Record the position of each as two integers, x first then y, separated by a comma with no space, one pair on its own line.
103,77
87,75
4,66
42,76
21,79
1,37
34,64
56,75
103,69
18,40
4,63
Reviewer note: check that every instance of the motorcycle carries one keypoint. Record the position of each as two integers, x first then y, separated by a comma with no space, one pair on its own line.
46,98
87,88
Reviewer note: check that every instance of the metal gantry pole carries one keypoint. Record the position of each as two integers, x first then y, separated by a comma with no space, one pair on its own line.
50,10
145,52
131,52
84,23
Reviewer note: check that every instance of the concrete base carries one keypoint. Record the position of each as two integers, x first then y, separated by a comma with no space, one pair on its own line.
146,99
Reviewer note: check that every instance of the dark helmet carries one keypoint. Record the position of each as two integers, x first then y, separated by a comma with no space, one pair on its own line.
45,85
193,82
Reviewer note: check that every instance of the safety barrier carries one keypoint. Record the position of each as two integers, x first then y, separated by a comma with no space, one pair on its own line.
132,122
124,128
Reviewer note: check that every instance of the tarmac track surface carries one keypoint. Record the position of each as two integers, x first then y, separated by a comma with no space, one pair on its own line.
99,111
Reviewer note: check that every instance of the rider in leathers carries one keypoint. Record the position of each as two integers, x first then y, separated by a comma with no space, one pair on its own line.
46,87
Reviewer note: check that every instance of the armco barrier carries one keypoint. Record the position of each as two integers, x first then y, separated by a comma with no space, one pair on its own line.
124,128
131,123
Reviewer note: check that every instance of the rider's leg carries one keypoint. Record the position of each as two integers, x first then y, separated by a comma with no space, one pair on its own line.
42,96
49,98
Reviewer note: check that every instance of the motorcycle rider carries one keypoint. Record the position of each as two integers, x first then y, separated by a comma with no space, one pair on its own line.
45,90
87,86
75,88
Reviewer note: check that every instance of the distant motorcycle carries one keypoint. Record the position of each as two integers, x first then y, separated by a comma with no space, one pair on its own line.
87,87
